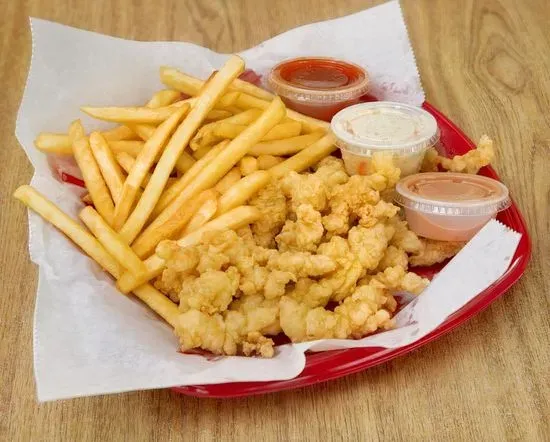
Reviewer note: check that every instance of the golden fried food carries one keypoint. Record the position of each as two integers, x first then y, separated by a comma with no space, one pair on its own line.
348,271
398,279
470,162
261,230
359,314
271,202
403,238
290,264
211,292
304,189
433,252
370,243
303,234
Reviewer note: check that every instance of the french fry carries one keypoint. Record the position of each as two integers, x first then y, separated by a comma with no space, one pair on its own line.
227,130
119,133
203,215
234,219
86,199
204,139
111,241
159,303
283,130
228,180
266,162
127,161
53,143
163,98
90,172
130,114
205,135
217,114
184,162
228,99
309,124
143,131
54,215
247,165
244,117
251,96
93,248
307,157
76,131
223,101
191,86
288,146
109,168
177,144
131,147
242,191
201,152
178,80
145,243
225,160
144,161
234,110
251,89
187,178
59,143
129,282
248,101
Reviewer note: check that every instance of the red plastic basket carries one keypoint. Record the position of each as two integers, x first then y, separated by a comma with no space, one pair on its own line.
329,365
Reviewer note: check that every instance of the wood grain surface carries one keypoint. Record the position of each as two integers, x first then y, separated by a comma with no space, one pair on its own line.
486,65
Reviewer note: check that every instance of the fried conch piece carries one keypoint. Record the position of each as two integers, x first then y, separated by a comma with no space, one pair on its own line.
341,282
470,162
211,292
434,252
396,279
305,188
304,234
358,315
302,264
260,314
271,202
331,171
220,335
394,256
369,244
403,238
348,200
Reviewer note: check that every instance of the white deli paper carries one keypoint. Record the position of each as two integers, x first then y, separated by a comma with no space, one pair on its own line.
88,338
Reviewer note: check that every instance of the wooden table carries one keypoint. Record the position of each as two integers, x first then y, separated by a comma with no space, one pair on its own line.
485,64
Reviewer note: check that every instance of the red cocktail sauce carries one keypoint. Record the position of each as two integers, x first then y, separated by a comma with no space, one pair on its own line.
318,86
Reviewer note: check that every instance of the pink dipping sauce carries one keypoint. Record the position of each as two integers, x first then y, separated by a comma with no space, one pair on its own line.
450,206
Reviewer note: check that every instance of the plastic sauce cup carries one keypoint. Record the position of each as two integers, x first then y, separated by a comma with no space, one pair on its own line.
318,86
403,131
450,206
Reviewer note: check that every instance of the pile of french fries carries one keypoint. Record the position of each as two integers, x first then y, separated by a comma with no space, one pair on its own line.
176,168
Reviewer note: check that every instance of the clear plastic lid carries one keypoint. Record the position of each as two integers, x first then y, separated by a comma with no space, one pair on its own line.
318,80
366,128
452,194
